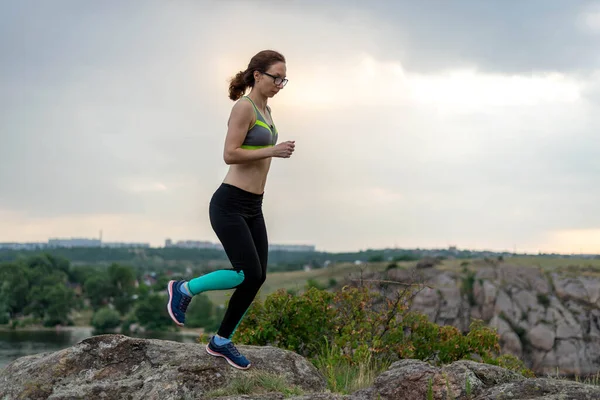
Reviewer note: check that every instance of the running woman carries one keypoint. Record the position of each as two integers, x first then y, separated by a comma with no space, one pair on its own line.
236,206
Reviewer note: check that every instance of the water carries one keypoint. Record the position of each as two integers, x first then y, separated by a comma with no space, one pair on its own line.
15,344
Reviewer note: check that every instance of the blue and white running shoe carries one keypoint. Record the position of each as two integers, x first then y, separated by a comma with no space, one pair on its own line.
229,352
178,302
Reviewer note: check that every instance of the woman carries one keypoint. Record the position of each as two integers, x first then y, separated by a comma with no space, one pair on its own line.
236,206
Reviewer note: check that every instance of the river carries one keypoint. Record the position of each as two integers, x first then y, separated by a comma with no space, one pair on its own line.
15,344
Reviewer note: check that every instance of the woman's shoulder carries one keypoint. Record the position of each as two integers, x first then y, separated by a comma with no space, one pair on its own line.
242,109
242,105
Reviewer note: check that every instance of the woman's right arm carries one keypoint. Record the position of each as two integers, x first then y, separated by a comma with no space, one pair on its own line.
242,116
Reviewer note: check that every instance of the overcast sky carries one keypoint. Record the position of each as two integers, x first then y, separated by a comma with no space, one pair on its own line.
417,124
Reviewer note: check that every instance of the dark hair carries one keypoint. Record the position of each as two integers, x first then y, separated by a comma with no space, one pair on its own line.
244,79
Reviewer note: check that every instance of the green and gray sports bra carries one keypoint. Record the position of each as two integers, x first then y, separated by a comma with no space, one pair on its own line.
261,134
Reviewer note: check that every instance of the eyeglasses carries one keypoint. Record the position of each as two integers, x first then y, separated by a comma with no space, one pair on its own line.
277,80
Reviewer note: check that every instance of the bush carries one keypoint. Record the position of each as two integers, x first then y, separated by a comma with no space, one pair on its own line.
4,318
358,326
289,321
105,319
151,313
313,283
446,344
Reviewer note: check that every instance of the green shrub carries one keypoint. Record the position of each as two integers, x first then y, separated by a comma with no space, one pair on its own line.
313,283
359,327
289,321
105,319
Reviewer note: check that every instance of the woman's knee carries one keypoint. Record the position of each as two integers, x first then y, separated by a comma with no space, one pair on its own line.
255,279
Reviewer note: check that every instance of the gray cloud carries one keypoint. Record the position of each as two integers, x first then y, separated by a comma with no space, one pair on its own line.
112,108
524,37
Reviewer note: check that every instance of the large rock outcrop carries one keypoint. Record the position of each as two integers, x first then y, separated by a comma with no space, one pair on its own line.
550,320
118,367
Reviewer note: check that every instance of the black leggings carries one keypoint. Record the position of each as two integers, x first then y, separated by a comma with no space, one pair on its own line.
237,219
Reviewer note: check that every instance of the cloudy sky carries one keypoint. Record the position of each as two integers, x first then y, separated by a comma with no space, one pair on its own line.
417,124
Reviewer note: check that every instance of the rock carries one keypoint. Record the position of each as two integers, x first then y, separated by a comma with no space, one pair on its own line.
526,300
428,303
412,379
511,343
541,389
427,262
117,366
568,328
530,279
540,310
542,337
451,305
567,354
505,307
593,289
570,288
500,325
543,362
279,396
321,396
489,293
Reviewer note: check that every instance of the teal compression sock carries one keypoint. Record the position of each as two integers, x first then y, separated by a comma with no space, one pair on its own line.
216,280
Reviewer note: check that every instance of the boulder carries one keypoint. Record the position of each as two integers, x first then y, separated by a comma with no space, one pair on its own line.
462,380
120,367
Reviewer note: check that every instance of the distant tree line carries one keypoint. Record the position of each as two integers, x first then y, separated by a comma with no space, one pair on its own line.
202,259
45,289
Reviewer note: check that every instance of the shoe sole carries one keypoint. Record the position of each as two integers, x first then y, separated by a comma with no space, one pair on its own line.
215,354
170,291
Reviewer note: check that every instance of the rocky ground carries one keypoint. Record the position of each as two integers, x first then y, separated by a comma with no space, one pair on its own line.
550,320
119,367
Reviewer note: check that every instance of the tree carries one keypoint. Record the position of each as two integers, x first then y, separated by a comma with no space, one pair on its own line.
151,312
122,278
60,300
98,290
200,312
14,287
105,319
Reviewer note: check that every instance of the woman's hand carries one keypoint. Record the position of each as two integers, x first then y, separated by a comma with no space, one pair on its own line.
284,149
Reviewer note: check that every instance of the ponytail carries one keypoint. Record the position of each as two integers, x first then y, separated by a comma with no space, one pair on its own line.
239,83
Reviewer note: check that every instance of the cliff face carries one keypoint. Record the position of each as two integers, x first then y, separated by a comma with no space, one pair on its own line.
119,367
550,320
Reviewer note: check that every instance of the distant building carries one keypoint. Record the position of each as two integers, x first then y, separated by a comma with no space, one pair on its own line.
74,242
23,246
193,244
126,245
292,247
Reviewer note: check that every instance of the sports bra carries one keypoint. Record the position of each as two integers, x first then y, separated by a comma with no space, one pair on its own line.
261,134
